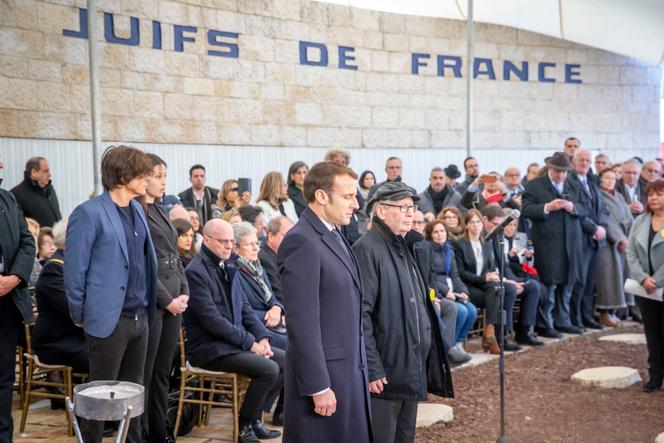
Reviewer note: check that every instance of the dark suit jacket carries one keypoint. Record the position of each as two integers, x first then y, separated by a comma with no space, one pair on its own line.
466,262
641,192
323,300
36,202
268,259
295,194
188,200
597,213
557,236
218,323
18,251
171,281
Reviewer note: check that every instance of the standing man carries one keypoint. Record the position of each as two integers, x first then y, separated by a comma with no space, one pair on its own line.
472,168
393,169
632,187
570,145
17,256
593,226
351,231
325,359
199,196
403,339
35,194
439,194
557,237
111,275
277,228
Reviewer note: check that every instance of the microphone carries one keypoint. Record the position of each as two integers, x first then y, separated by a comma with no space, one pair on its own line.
498,230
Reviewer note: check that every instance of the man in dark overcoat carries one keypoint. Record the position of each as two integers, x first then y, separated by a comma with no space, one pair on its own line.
326,392
552,206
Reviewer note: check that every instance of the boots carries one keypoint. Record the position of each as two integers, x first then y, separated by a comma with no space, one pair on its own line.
489,342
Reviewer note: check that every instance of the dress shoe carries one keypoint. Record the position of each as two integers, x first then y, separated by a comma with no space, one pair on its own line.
510,345
606,319
592,324
654,384
528,338
549,333
489,342
457,356
247,435
262,432
571,329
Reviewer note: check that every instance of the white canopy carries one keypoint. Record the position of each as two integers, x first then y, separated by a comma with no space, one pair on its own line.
630,27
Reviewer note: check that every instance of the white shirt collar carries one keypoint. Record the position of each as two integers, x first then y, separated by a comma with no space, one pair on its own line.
329,226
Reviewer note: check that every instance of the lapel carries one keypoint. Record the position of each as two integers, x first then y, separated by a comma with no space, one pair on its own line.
5,240
164,224
113,215
332,243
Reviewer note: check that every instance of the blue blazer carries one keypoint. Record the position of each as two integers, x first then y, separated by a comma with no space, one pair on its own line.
217,325
97,265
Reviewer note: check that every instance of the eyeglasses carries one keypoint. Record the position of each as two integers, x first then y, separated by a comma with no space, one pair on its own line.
450,217
234,190
403,208
254,244
475,222
229,242
416,222
512,175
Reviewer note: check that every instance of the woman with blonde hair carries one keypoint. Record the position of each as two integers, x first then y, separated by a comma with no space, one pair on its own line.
273,198
453,220
229,198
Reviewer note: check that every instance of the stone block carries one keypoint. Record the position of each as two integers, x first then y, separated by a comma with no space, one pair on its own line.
276,112
450,29
630,339
44,70
385,117
257,48
374,138
262,26
314,12
13,66
293,136
412,118
198,86
265,135
79,98
659,438
230,5
52,96
114,56
339,15
130,129
607,377
206,132
208,20
398,138
52,125
396,42
364,19
420,25
326,137
234,134
172,12
495,34
230,21
53,19
178,106
420,139
429,414
205,109
147,60
148,104
256,7
308,114
147,9
286,9
21,42
400,62
19,14
244,89
345,116
245,111
116,101
182,63
436,119
17,93
271,91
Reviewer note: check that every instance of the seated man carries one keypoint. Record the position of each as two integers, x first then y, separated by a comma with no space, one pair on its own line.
225,334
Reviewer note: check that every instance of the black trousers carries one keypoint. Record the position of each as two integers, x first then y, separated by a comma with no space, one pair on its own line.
530,299
120,356
393,421
558,303
267,378
488,299
583,294
162,346
653,325
10,327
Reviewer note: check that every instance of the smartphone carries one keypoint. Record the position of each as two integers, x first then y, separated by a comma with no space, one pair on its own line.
484,179
244,185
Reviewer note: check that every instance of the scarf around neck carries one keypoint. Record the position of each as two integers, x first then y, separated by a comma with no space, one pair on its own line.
255,271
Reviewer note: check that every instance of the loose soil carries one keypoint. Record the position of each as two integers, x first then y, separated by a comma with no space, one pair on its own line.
544,405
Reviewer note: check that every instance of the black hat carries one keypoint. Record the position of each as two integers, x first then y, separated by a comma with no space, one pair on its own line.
452,172
392,191
559,161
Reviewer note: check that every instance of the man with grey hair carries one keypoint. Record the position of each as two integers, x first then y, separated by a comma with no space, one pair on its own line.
276,231
439,194
60,233
632,187
338,155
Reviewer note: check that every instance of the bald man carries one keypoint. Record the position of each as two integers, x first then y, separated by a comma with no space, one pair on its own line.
226,335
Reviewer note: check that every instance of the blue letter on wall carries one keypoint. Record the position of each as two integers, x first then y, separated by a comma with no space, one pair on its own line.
455,65
477,62
232,51
509,68
156,34
415,62
344,57
179,38
82,26
304,55
541,72
109,31
572,70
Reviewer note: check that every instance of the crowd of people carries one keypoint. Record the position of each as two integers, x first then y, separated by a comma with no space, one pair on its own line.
335,293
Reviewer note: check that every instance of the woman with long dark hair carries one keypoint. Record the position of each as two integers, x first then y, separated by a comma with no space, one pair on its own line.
172,298
296,173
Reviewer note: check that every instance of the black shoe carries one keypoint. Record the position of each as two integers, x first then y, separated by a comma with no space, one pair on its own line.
571,329
264,433
57,403
592,324
654,384
549,333
510,345
529,339
247,435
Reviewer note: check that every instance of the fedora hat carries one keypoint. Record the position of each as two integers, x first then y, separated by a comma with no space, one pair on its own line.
559,161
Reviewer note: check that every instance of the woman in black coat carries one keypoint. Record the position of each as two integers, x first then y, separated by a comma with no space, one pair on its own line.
482,282
296,173
172,298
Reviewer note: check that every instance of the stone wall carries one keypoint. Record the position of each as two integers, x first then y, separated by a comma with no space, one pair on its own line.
265,97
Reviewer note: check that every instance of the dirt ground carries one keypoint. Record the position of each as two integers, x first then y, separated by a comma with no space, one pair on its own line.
544,405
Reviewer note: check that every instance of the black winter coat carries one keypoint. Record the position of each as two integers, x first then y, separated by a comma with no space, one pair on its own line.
295,194
38,203
402,335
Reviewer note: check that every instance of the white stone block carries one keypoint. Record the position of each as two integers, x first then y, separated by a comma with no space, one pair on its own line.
364,19
234,134
385,117
314,12
293,136
630,339
308,114
396,42
265,135
374,138
429,414
607,377
412,118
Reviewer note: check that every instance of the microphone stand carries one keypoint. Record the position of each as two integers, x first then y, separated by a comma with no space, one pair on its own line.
503,320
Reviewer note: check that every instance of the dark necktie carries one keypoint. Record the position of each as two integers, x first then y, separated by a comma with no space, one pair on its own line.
337,236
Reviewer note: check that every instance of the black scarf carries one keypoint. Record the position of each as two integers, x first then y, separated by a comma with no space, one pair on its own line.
438,198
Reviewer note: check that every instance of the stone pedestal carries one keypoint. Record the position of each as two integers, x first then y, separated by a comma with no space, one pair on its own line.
432,413
630,339
607,377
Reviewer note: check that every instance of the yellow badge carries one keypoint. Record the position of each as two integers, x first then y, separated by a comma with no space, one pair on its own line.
432,293
662,232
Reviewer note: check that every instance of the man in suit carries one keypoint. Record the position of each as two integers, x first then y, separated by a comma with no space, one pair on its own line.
325,359
593,226
199,196
111,275
17,256
224,332
277,228
36,195
633,187
551,205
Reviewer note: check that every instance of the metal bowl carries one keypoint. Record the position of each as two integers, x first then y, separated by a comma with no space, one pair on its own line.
108,400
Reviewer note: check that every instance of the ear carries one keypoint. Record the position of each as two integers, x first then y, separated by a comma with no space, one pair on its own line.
321,197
